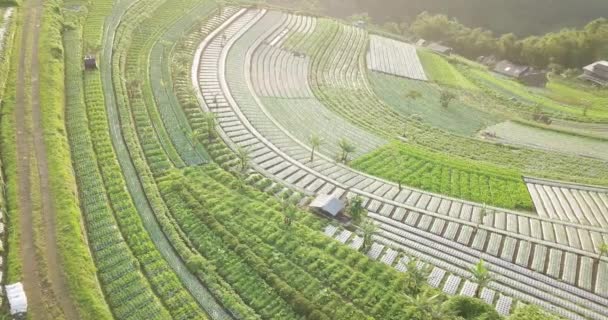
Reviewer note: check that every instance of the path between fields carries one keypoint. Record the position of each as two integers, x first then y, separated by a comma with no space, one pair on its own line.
34,282
31,276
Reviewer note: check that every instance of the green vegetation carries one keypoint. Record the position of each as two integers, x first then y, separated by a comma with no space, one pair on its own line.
535,17
464,115
531,313
343,90
570,48
76,259
166,235
439,70
540,137
565,93
447,175
532,98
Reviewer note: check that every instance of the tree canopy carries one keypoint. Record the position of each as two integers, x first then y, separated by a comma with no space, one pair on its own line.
570,48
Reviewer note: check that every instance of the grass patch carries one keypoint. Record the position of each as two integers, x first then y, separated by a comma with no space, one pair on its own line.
460,117
521,94
537,137
439,70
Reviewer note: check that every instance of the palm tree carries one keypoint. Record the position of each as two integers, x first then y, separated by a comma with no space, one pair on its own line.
369,229
243,157
290,213
603,248
416,277
481,275
356,210
346,149
315,142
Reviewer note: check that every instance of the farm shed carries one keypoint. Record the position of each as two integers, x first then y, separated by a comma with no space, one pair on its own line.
90,63
16,298
327,204
525,74
437,48
596,72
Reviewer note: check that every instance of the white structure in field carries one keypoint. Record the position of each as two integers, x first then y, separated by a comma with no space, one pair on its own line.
327,204
394,57
16,298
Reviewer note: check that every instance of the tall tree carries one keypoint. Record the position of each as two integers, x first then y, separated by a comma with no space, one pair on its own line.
346,149
368,228
355,209
315,143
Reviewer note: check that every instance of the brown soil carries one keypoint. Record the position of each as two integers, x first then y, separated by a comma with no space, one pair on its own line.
30,142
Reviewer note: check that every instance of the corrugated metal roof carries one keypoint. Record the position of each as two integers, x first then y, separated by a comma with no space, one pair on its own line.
510,69
328,204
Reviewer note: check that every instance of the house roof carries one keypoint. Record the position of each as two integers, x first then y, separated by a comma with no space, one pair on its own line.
599,65
328,204
510,69
439,48
16,298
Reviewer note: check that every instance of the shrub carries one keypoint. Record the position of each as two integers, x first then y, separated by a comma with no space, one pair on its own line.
471,308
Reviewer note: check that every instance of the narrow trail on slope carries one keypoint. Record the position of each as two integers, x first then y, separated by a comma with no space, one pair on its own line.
31,276
30,142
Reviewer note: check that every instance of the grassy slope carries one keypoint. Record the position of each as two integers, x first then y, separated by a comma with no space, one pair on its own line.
531,96
441,71
461,117
539,137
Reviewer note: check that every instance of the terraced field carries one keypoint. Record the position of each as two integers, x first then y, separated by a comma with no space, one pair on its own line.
442,72
395,58
172,180
461,117
570,110
537,137
274,152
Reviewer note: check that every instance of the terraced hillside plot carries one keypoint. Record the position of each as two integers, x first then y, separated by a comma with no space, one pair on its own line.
459,117
520,134
280,78
449,232
395,58
575,203
533,96
437,173
439,70
305,117
278,71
